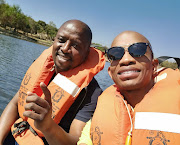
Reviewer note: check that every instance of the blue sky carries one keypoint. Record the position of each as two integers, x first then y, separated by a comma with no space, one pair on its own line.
158,20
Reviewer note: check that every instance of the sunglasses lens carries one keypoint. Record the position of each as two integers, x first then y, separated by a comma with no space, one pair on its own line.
115,53
137,49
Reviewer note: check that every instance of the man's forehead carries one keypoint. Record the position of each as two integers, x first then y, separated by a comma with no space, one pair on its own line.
128,38
69,32
72,27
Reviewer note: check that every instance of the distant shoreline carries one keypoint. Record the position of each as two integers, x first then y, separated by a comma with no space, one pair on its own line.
24,37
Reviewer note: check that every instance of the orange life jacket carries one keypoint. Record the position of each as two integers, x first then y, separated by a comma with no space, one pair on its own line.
64,88
155,119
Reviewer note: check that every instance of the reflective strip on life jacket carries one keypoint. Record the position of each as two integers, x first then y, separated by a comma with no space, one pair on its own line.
66,85
167,122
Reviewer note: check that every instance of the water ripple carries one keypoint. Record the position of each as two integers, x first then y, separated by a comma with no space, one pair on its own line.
16,56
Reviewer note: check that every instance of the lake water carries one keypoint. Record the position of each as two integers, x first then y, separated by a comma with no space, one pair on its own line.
15,58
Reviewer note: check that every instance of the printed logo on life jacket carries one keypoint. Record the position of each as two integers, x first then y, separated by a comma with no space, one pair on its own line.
21,98
96,136
27,78
159,139
59,93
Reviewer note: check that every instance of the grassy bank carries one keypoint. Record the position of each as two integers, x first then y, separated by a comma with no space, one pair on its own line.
28,37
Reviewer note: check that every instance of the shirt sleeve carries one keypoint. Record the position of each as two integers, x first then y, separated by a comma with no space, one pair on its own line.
85,135
89,103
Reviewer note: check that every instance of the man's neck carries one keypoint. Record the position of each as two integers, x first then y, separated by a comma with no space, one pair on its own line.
133,97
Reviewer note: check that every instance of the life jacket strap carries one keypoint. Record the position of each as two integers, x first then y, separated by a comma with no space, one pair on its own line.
21,127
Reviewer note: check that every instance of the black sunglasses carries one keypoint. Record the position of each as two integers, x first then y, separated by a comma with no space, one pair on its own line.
135,50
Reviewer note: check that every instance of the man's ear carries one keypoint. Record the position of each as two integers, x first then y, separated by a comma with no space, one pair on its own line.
155,63
109,72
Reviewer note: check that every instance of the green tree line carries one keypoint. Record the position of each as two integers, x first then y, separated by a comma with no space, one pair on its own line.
12,17
99,46
169,64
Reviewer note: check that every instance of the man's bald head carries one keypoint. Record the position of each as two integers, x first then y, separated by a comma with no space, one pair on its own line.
129,37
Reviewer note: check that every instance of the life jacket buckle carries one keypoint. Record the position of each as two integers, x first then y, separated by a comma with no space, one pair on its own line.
21,127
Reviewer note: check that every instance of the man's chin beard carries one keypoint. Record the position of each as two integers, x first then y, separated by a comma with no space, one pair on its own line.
59,69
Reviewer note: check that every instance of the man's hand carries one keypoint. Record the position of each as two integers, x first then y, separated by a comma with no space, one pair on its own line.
39,109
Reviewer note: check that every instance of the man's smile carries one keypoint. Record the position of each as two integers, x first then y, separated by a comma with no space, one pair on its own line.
128,73
62,56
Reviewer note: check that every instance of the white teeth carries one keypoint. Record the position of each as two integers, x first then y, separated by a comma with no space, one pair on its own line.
128,72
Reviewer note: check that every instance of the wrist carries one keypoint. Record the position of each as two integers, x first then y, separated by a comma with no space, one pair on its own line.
47,127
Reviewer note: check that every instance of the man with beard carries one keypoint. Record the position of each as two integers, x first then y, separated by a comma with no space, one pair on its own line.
58,93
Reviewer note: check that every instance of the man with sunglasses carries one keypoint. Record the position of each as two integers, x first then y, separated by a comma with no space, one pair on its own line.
143,104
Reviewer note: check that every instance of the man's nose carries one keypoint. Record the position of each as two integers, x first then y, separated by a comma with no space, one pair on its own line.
66,47
127,59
